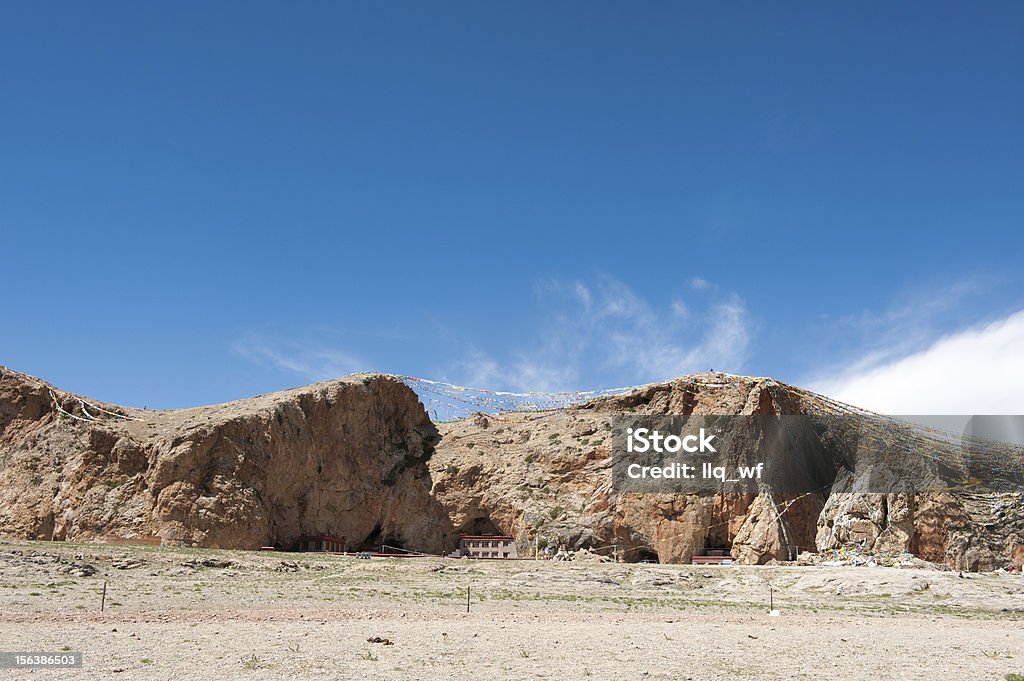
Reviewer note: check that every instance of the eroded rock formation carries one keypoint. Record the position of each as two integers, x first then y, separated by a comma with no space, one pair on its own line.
344,458
358,458
550,476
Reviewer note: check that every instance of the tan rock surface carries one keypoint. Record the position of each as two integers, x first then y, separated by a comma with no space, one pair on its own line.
359,458
344,458
548,477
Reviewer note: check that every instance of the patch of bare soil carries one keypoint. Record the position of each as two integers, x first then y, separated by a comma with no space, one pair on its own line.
183,613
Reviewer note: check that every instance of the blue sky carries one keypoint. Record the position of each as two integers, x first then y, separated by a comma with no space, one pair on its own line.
205,201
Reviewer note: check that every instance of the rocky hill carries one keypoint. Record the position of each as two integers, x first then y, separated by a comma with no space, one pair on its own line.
551,475
345,458
358,458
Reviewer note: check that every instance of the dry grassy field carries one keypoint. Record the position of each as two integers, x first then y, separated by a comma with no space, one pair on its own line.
183,613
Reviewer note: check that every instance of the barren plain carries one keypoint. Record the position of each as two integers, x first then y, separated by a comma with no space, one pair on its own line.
174,613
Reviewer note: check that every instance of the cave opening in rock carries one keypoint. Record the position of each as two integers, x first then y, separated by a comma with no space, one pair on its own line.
378,540
716,550
717,541
642,555
480,526
717,547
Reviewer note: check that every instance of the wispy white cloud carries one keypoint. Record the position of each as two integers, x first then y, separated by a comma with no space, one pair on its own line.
977,370
309,361
911,322
700,284
592,334
585,335
680,309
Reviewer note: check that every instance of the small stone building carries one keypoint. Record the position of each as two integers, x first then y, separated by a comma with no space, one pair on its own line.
488,546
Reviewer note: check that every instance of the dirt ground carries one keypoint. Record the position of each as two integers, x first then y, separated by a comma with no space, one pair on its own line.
184,613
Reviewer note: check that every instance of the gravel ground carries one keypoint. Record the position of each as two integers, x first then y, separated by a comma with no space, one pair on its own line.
183,613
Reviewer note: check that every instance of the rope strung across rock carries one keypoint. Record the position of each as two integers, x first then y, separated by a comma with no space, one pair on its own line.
88,417
458,402
447,402
63,412
106,411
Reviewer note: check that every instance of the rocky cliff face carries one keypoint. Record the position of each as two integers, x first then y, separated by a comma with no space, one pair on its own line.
359,458
550,477
345,458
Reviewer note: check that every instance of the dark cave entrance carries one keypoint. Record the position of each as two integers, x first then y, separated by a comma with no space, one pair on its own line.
641,555
480,526
380,541
721,551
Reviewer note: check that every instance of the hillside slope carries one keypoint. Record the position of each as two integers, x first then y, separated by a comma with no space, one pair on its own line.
359,458
344,457
550,476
